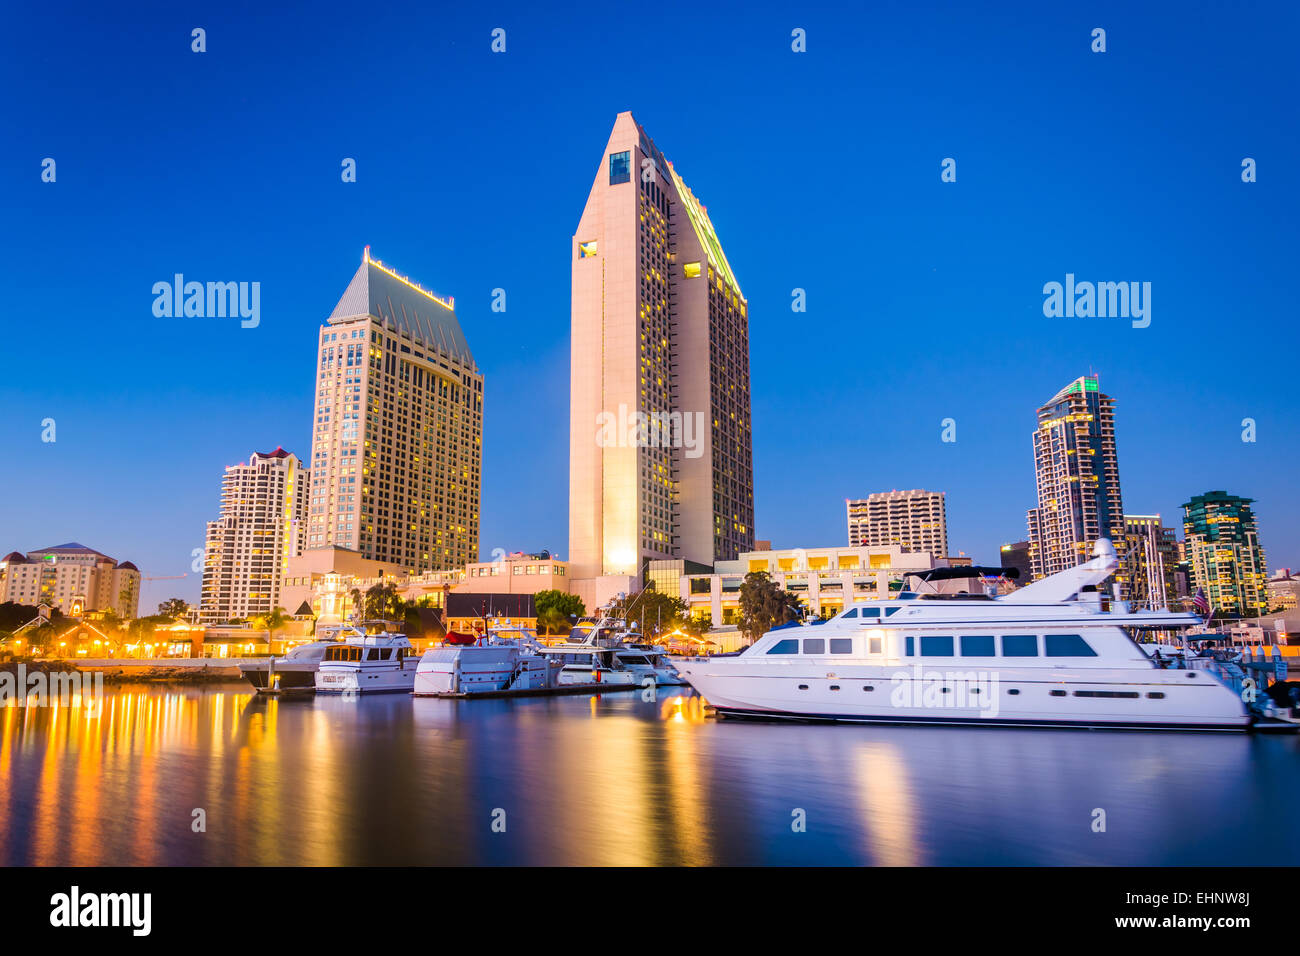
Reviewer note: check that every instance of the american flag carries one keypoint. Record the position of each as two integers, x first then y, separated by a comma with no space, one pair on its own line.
1201,603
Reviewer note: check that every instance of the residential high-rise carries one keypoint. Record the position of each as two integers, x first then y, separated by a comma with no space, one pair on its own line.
263,524
660,440
1224,553
1076,468
71,577
1153,557
913,520
398,440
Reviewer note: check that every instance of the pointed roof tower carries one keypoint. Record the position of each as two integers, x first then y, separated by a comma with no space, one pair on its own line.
378,291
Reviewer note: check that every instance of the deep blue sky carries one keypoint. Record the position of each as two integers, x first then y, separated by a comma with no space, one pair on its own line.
820,171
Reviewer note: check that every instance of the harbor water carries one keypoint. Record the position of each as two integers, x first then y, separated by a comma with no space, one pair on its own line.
215,775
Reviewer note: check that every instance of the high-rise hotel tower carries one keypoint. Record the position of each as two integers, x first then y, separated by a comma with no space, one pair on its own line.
1077,472
398,437
660,439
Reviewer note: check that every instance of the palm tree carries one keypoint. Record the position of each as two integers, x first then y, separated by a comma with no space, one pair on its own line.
274,622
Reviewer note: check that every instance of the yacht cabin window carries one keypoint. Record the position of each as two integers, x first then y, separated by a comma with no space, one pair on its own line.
932,646
841,645
788,646
1066,645
814,645
977,645
1019,645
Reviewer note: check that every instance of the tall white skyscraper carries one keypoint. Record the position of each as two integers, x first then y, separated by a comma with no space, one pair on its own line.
660,438
262,525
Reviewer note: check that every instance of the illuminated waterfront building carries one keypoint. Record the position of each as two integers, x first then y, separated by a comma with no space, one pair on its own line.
398,433
248,548
1076,468
914,520
1223,550
827,579
660,335
71,577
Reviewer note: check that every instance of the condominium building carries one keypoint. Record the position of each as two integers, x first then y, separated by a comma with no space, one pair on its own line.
660,438
262,526
1153,557
913,520
71,577
1223,550
398,435
1076,468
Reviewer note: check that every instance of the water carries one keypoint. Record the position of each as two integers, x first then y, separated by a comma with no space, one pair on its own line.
613,780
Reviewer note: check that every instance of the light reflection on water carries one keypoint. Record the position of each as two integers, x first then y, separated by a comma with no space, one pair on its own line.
611,780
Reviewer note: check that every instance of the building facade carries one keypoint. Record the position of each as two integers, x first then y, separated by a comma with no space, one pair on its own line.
827,579
1283,591
73,578
914,520
262,526
660,438
1224,553
1153,556
1015,555
1076,469
398,435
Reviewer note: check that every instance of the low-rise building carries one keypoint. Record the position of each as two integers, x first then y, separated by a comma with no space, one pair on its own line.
73,578
1283,590
827,579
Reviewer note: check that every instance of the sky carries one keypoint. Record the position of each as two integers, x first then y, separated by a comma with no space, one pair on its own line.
821,171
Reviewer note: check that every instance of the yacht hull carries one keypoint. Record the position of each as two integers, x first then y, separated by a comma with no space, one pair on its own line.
1078,697
369,681
288,677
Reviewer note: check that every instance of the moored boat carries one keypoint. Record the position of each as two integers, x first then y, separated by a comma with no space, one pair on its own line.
295,672
367,663
1051,654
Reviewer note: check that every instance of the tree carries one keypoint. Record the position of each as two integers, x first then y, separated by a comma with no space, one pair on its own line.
380,602
173,607
764,605
273,622
657,612
554,608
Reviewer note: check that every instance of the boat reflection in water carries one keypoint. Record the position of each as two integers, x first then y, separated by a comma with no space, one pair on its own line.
609,779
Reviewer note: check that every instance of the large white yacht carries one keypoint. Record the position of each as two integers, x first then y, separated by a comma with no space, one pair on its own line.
1050,654
367,663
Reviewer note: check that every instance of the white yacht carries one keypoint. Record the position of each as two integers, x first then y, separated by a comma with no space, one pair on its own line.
506,660
367,663
1051,654
589,655
648,660
295,671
